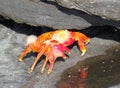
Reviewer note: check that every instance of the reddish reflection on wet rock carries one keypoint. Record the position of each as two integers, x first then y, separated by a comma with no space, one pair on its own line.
74,80
83,73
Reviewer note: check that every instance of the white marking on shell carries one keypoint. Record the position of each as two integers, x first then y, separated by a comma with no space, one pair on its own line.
63,38
31,39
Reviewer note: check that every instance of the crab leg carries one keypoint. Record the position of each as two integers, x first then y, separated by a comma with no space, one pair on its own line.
85,38
82,40
51,60
50,68
37,58
26,51
82,46
44,65
49,57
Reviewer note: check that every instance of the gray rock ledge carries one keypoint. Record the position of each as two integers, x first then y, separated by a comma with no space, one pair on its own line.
40,14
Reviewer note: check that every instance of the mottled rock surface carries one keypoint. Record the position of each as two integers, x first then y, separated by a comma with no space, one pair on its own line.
38,13
107,9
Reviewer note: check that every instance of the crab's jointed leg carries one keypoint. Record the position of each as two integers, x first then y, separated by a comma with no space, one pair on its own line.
82,46
82,40
48,52
30,46
24,53
56,51
52,53
44,65
51,60
50,57
42,50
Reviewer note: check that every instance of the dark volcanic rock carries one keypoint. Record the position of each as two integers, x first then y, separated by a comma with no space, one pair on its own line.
108,9
37,13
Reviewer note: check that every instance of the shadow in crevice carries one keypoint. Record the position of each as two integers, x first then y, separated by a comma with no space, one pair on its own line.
104,32
23,28
93,19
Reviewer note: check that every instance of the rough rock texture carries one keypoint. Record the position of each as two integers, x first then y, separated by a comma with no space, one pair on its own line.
40,14
107,9
14,74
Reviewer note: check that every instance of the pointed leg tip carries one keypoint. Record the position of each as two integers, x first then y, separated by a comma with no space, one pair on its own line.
30,71
48,73
69,52
87,42
64,57
83,54
41,72
20,58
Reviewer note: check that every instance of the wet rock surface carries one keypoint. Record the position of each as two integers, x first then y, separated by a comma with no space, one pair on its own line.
108,9
37,13
103,72
14,74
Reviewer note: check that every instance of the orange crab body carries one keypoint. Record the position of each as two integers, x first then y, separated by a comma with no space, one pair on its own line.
52,45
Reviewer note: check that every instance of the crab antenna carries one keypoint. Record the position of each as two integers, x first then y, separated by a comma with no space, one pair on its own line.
31,39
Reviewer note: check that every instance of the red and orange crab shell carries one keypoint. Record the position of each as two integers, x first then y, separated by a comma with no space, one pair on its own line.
52,45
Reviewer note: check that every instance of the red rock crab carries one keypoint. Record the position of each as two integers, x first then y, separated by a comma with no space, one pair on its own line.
52,45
